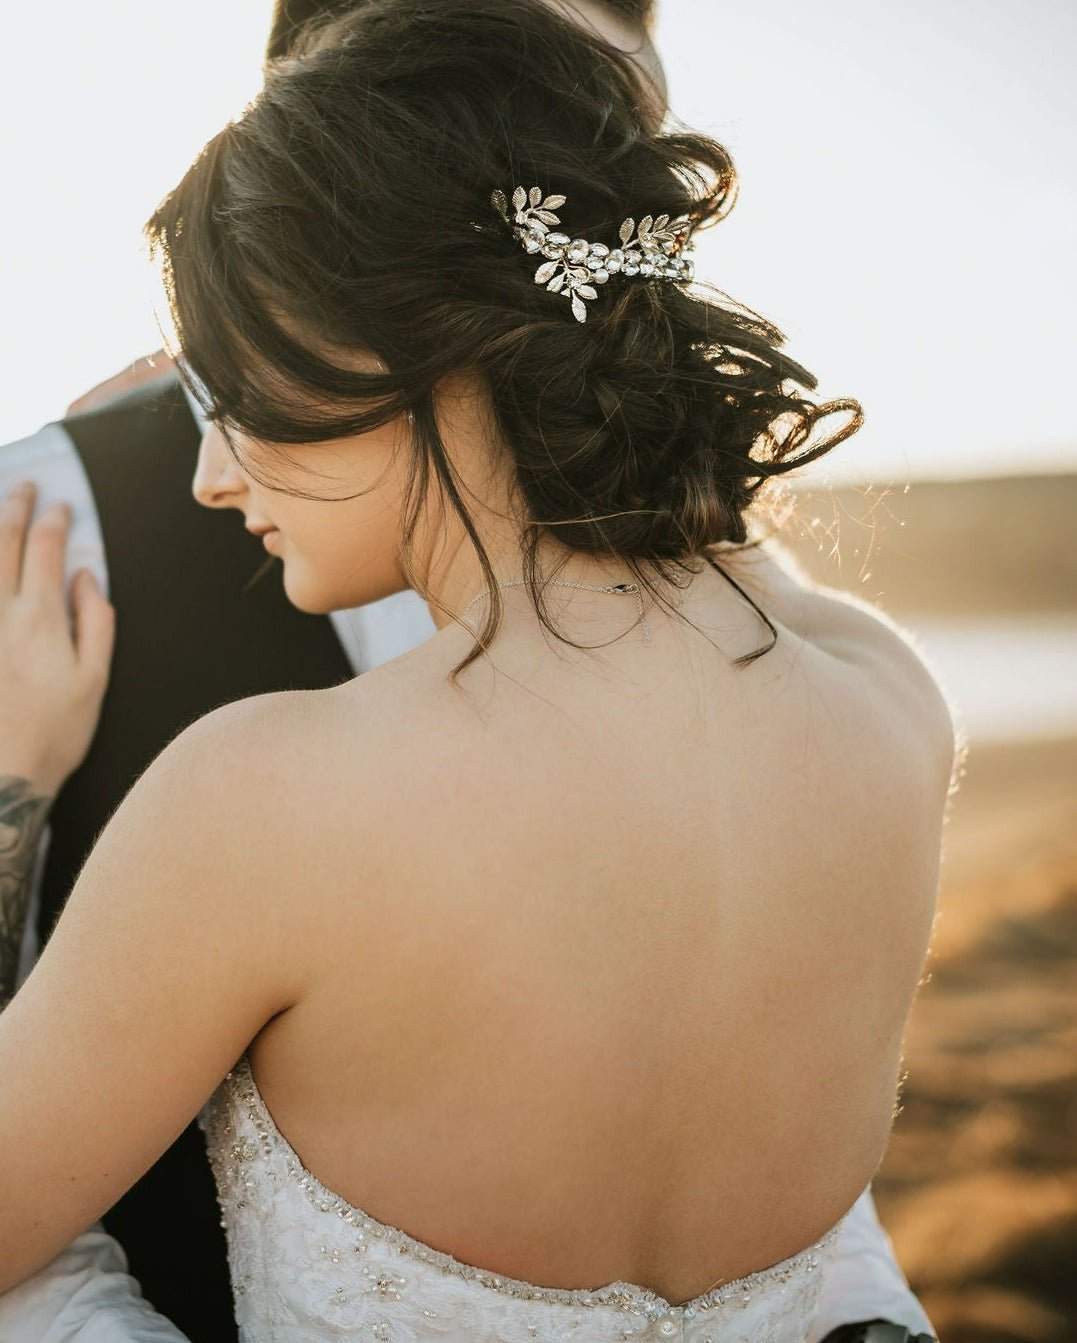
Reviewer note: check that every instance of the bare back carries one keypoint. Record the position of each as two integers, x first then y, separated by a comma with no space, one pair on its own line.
611,960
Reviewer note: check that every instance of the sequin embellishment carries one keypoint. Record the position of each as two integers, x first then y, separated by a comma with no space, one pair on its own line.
304,1259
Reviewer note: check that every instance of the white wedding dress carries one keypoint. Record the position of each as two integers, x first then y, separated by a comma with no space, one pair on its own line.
307,1267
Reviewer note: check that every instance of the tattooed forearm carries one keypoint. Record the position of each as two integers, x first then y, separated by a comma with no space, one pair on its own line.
23,810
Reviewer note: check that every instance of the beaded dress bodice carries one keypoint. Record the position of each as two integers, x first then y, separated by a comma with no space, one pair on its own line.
308,1267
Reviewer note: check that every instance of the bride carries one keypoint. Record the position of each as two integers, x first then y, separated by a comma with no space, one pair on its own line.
579,941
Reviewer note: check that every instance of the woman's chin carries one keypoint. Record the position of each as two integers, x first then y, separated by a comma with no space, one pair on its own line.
306,596
316,593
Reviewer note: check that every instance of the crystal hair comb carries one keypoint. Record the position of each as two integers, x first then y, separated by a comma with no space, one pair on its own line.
654,248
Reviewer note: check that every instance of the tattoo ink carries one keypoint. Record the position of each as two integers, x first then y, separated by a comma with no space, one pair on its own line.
23,811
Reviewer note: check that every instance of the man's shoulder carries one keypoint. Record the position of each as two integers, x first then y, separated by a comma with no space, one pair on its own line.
162,394
49,459
49,446
54,448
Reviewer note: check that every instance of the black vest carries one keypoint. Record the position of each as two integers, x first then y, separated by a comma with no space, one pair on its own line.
190,635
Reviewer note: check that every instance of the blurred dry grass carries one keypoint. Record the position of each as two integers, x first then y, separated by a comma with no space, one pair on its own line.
975,547
979,1187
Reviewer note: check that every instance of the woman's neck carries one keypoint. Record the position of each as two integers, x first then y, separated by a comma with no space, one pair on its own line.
452,589
445,562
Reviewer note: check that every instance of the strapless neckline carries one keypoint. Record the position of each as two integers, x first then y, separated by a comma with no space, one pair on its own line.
627,1295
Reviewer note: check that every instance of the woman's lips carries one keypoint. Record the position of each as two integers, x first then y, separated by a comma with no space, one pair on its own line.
264,532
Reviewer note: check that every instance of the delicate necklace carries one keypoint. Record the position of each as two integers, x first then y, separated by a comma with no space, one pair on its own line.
619,588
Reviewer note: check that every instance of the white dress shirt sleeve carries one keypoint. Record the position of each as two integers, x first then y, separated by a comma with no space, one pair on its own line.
49,459
380,631
85,1295
863,1280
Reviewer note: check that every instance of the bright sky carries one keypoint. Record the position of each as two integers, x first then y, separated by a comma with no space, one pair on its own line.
908,206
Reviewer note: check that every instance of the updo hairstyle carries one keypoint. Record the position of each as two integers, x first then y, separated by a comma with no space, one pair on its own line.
348,210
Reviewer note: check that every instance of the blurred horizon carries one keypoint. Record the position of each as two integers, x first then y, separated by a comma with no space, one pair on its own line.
908,200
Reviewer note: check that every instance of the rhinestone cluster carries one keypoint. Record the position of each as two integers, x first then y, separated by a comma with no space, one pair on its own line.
652,248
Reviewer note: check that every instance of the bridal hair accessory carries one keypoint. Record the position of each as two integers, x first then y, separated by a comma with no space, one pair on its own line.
654,248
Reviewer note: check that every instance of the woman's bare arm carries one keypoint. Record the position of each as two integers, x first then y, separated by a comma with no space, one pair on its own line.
176,946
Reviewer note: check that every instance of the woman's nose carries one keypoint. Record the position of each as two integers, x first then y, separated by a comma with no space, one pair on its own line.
218,481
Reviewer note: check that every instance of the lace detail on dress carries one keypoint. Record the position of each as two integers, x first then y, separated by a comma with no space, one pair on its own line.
307,1266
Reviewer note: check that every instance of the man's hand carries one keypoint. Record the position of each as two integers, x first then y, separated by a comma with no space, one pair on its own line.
147,368
53,669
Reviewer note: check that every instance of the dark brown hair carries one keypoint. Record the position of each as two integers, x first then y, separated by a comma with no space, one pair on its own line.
291,17
640,13
349,209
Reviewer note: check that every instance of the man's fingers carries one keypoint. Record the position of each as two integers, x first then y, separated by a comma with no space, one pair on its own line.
134,375
16,510
95,626
44,558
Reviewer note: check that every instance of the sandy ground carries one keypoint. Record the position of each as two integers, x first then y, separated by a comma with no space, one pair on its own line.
979,1186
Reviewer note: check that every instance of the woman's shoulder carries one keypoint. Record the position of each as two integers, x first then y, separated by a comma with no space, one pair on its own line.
298,755
851,631
290,740
285,799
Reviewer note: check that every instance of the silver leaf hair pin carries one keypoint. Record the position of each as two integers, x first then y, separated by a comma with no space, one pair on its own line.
654,248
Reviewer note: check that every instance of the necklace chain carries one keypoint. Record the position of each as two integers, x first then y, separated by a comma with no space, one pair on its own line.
620,589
